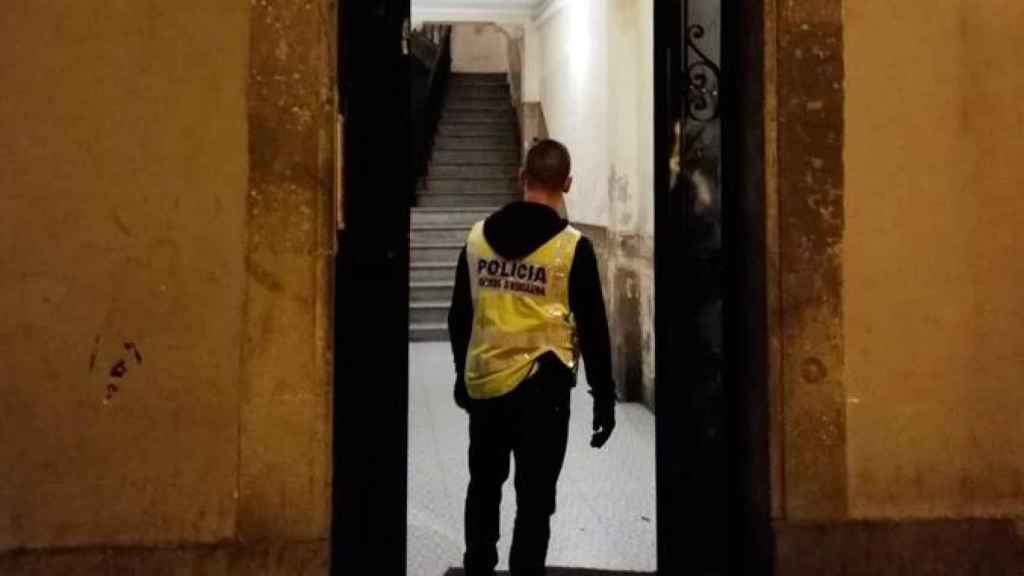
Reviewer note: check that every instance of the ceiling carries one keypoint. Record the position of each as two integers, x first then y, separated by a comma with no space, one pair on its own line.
479,10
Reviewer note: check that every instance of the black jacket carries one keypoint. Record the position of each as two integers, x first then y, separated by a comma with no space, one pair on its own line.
516,231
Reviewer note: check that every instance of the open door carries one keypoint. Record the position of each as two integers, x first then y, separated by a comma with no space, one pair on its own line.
713,442
712,411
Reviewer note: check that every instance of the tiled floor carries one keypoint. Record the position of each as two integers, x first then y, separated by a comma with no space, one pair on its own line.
606,498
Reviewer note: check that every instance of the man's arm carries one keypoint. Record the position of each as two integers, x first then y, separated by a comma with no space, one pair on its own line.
586,300
460,327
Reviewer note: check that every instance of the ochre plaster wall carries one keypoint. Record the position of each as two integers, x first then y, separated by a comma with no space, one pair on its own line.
934,309
891,173
123,187
165,249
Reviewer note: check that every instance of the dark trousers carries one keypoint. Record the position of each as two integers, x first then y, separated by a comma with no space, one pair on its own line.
532,423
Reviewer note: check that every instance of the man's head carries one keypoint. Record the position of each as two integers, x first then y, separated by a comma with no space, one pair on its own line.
547,169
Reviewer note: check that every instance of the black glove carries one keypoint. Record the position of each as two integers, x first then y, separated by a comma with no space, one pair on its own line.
604,420
461,393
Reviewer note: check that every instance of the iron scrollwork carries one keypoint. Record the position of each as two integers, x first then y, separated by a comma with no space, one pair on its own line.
701,75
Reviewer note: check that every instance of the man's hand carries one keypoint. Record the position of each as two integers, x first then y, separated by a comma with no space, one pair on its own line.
461,394
604,421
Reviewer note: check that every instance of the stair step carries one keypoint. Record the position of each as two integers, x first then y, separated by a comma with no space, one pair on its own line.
428,332
496,189
476,157
496,142
449,171
432,271
481,75
487,78
478,83
484,130
470,185
431,291
475,165
428,227
491,202
469,104
448,216
439,233
429,312
464,87
495,118
479,92
435,252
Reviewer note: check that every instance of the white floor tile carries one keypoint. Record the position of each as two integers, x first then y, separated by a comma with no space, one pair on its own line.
606,498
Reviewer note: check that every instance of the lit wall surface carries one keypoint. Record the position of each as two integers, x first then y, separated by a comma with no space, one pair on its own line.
934,312
123,191
479,48
165,237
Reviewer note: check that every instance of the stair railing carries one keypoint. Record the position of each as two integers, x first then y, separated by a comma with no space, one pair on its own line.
432,46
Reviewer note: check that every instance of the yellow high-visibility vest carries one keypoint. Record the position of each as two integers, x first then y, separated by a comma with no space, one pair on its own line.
520,311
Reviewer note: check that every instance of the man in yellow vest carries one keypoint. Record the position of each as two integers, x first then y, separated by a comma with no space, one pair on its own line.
527,302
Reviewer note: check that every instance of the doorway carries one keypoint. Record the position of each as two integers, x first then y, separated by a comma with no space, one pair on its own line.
471,96
712,446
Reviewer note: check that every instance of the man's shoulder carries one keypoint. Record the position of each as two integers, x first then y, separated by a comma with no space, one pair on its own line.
581,237
583,251
475,229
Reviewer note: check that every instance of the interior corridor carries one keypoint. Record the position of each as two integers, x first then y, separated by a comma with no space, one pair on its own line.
484,88
606,498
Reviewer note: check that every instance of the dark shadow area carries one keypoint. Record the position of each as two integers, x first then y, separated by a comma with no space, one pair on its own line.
372,293
565,572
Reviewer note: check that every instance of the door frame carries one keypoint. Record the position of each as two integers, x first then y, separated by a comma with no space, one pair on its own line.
743,543
370,446
371,399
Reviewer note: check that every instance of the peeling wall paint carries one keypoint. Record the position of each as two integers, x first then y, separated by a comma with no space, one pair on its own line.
631,309
630,192
610,133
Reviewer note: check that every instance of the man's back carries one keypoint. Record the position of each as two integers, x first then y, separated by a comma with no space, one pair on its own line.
514,232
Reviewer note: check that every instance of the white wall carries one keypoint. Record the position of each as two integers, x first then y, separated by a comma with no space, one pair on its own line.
597,93
596,88
479,48
631,116
504,11
532,63
574,95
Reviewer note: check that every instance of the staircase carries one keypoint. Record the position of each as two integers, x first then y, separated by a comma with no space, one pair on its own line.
473,171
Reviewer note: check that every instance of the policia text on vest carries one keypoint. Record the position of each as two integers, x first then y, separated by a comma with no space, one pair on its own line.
514,276
521,312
